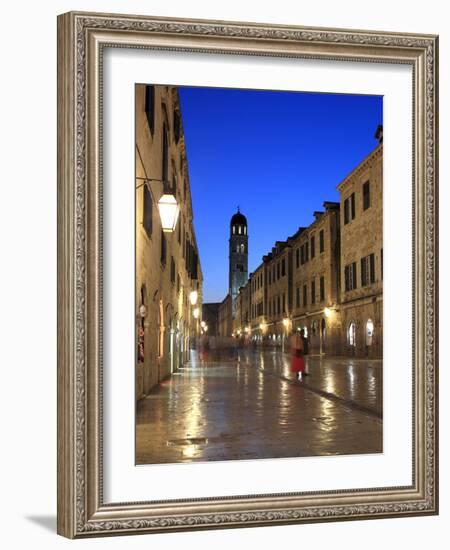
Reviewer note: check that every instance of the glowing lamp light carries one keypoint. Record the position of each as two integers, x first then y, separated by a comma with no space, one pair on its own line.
327,312
205,328
263,326
247,329
286,322
168,211
203,324
193,297
196,313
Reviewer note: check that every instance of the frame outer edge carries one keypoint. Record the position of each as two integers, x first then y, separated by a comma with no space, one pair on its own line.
75,348
65,279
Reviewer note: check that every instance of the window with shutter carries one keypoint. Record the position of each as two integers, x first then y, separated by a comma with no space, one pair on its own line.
165,155
346,212
163,248
363,271
372,268
150,107
148,210
366,195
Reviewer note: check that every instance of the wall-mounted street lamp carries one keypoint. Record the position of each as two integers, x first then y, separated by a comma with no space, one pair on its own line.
196,313
327,312
203,324
168,211
193,297
167,205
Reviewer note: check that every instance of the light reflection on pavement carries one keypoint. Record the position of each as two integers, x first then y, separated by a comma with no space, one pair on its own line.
251,408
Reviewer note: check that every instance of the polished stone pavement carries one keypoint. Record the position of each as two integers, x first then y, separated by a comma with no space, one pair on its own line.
250,406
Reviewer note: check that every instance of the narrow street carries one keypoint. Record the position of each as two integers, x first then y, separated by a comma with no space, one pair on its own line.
250,407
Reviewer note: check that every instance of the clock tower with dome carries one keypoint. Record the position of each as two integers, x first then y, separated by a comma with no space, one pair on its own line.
238,256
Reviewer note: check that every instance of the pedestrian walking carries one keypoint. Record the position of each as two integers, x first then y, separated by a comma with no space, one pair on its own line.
297,358
305,350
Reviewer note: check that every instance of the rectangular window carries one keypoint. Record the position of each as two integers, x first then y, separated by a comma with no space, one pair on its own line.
176,125
322,289
150,106
179,230
366,195
278,270
364,271
305,295
321,241
147,213
346,212
172,270
165,156
283,267
350,276
278,305
302,255
368,270
313,247
163,248
174,179
306,251
297,301
372,268
313,292
352,197
297,258
284,303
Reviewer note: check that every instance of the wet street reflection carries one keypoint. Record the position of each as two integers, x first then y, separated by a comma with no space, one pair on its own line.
249,406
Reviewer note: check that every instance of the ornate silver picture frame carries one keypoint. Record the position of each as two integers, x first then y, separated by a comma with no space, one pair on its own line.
82,509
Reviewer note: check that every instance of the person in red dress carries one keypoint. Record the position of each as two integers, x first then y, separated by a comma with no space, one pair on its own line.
297,357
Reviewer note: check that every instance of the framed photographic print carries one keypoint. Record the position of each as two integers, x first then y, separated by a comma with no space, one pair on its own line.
247,287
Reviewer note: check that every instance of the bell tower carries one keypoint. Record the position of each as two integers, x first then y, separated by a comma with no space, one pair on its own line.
238,256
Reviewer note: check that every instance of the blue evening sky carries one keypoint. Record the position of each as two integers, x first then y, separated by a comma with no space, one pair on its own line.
278,155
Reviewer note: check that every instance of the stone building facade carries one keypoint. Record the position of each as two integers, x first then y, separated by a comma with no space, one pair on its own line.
167,263
257,291
327,278
241,321
315,281
361,273
225,317
278,307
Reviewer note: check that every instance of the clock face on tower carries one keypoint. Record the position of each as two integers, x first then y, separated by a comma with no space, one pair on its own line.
238,256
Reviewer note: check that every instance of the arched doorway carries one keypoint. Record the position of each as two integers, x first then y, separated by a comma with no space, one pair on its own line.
369,335
351,337
323,332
